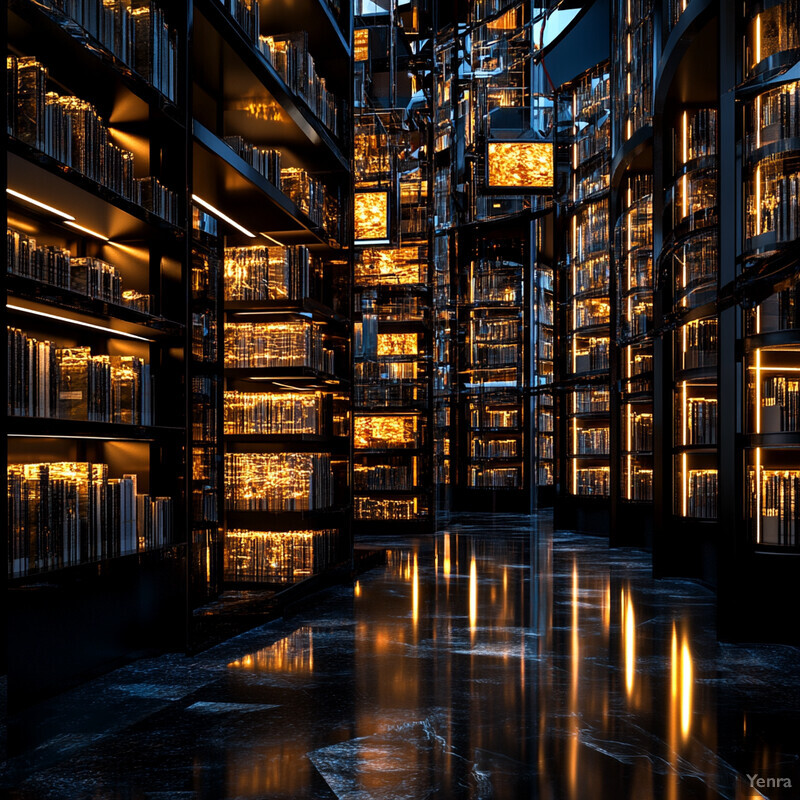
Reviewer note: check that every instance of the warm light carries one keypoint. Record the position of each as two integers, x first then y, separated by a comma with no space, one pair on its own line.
629,636
39,204
415,592
446,565
224,217
87,230
473,593
361,44
78,322
686,688
357,589
371,212
521,164
397,344
271,239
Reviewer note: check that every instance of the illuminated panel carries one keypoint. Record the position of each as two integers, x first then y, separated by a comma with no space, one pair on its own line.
521,164
397,344
385,432
361,44
371,216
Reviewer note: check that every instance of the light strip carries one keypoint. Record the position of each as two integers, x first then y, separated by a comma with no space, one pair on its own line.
77,322
217,213
271,239
61,436
33,202
87,230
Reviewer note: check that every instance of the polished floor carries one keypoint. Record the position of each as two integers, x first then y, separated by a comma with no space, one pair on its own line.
496,660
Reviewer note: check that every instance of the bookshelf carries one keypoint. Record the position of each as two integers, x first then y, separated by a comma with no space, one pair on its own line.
96,300
393,462
585,285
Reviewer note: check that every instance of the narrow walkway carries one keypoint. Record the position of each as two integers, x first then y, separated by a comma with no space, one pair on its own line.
496,660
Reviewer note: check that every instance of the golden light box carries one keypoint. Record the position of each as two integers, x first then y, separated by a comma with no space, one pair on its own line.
371,216
525,165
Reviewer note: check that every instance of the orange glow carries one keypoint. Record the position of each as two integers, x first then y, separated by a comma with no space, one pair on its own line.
523,164
473,594
397,344
415,592
629,640
371,211
361,44
384,431
357,589
446,565
686,688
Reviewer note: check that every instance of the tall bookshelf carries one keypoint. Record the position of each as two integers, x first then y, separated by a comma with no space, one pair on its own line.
393,485
270,152
97,301
142,146
632,429
585,287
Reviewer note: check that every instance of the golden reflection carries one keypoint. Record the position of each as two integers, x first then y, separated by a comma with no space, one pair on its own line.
521,164
686,688
629,641
446,565
292,654
415,592
357,589
473,593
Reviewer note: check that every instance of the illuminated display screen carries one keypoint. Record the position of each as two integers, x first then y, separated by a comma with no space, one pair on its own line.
371,216
520,165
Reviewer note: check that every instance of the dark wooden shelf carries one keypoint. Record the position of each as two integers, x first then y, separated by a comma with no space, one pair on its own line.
48,426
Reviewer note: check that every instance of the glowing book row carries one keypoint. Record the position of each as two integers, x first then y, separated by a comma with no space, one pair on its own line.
296,343
71,131
67,513
280,413
134,31
270,273
278,481
277,556
71,383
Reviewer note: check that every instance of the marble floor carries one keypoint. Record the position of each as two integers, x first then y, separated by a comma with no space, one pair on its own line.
494,660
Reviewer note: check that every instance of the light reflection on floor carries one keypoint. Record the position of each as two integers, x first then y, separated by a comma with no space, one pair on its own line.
492,661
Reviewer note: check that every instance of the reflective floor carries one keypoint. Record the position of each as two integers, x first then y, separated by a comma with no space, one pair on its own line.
496,660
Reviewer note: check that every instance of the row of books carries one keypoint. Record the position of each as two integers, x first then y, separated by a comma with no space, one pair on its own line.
701,421
67,513
591,274
46,380
698,344
387,508
205,390
695,135
641,484
275,413
204,336
265,160
594,311
297,343
245,12
479,477
270,273
391,267
400,394
289,54
590,234
494,448
205,493
277,556
592,355
488,354
278,481
775,116
71,131
386,432
306,192
772,201
383,476
134,31
702,493
591,401
780,506
641,432
92,277
694,198
592,441
545,447
487,417
593,482
780,404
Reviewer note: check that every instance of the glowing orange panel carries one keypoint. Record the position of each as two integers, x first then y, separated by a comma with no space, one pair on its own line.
361,44
523,164
371,216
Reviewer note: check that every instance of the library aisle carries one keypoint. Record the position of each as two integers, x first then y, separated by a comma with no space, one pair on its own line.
497,659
